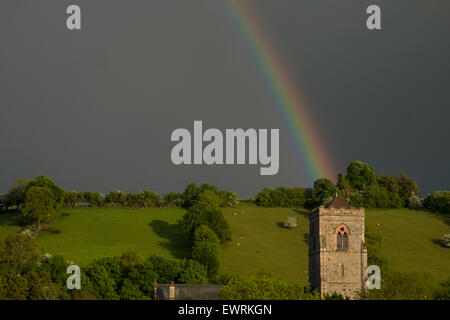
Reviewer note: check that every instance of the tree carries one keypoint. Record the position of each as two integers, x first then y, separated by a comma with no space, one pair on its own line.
70,199
193,272
407,188
149,198
360,175
173,199
263,287
16,195
323,191
39,205
43,181
18,253
206,249
190,195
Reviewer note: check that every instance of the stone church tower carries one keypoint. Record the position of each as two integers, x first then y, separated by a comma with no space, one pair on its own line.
337,252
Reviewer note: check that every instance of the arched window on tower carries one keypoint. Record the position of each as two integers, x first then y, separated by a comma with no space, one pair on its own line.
342,270
342,234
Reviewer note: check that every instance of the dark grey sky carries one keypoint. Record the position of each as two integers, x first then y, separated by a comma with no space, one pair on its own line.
94,109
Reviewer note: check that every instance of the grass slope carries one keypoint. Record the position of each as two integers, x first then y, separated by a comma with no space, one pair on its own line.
409,238
409,242
90,233
265,245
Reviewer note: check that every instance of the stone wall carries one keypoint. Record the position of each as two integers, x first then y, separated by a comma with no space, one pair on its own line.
331,270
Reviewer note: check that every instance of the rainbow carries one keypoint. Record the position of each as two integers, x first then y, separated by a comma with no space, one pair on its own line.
282,89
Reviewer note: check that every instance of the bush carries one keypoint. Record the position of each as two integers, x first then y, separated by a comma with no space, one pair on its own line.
291,222
438,201
445,240
443,292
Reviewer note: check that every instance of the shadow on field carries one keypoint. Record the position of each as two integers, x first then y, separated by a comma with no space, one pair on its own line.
177,243
438,242
11,219
303,213
443,216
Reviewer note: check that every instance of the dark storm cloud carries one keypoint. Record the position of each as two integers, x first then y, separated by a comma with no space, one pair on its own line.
94,109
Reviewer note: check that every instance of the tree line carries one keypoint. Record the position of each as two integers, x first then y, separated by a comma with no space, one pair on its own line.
360,187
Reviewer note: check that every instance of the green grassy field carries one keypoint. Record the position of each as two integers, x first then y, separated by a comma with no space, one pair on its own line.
89,233
265,245
259,242
409,242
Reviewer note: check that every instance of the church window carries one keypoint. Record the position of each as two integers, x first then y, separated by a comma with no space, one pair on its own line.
342,239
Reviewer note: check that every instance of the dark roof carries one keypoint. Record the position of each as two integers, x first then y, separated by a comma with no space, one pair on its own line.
338,203
188,291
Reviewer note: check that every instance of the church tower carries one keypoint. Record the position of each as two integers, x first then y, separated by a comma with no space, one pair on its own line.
337,252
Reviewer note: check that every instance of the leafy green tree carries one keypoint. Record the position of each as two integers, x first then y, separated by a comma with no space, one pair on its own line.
94,198
193,272
173,199
205,212
39,205
206,249
360,175
16,195
407,188
70,199
190,195
18,253
263,287
103,277
324,190
149,198
166,270
43,181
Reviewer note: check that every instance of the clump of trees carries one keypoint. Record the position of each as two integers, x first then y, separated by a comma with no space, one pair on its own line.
360,187
130,277
205,224
25,275
283,197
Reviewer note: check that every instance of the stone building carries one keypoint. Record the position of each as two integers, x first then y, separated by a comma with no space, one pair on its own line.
337,252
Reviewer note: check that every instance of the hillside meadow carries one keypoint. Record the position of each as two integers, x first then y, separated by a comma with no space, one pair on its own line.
260,243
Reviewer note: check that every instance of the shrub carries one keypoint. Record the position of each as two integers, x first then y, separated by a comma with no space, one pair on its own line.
438,201
291,222
445,240
443,292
